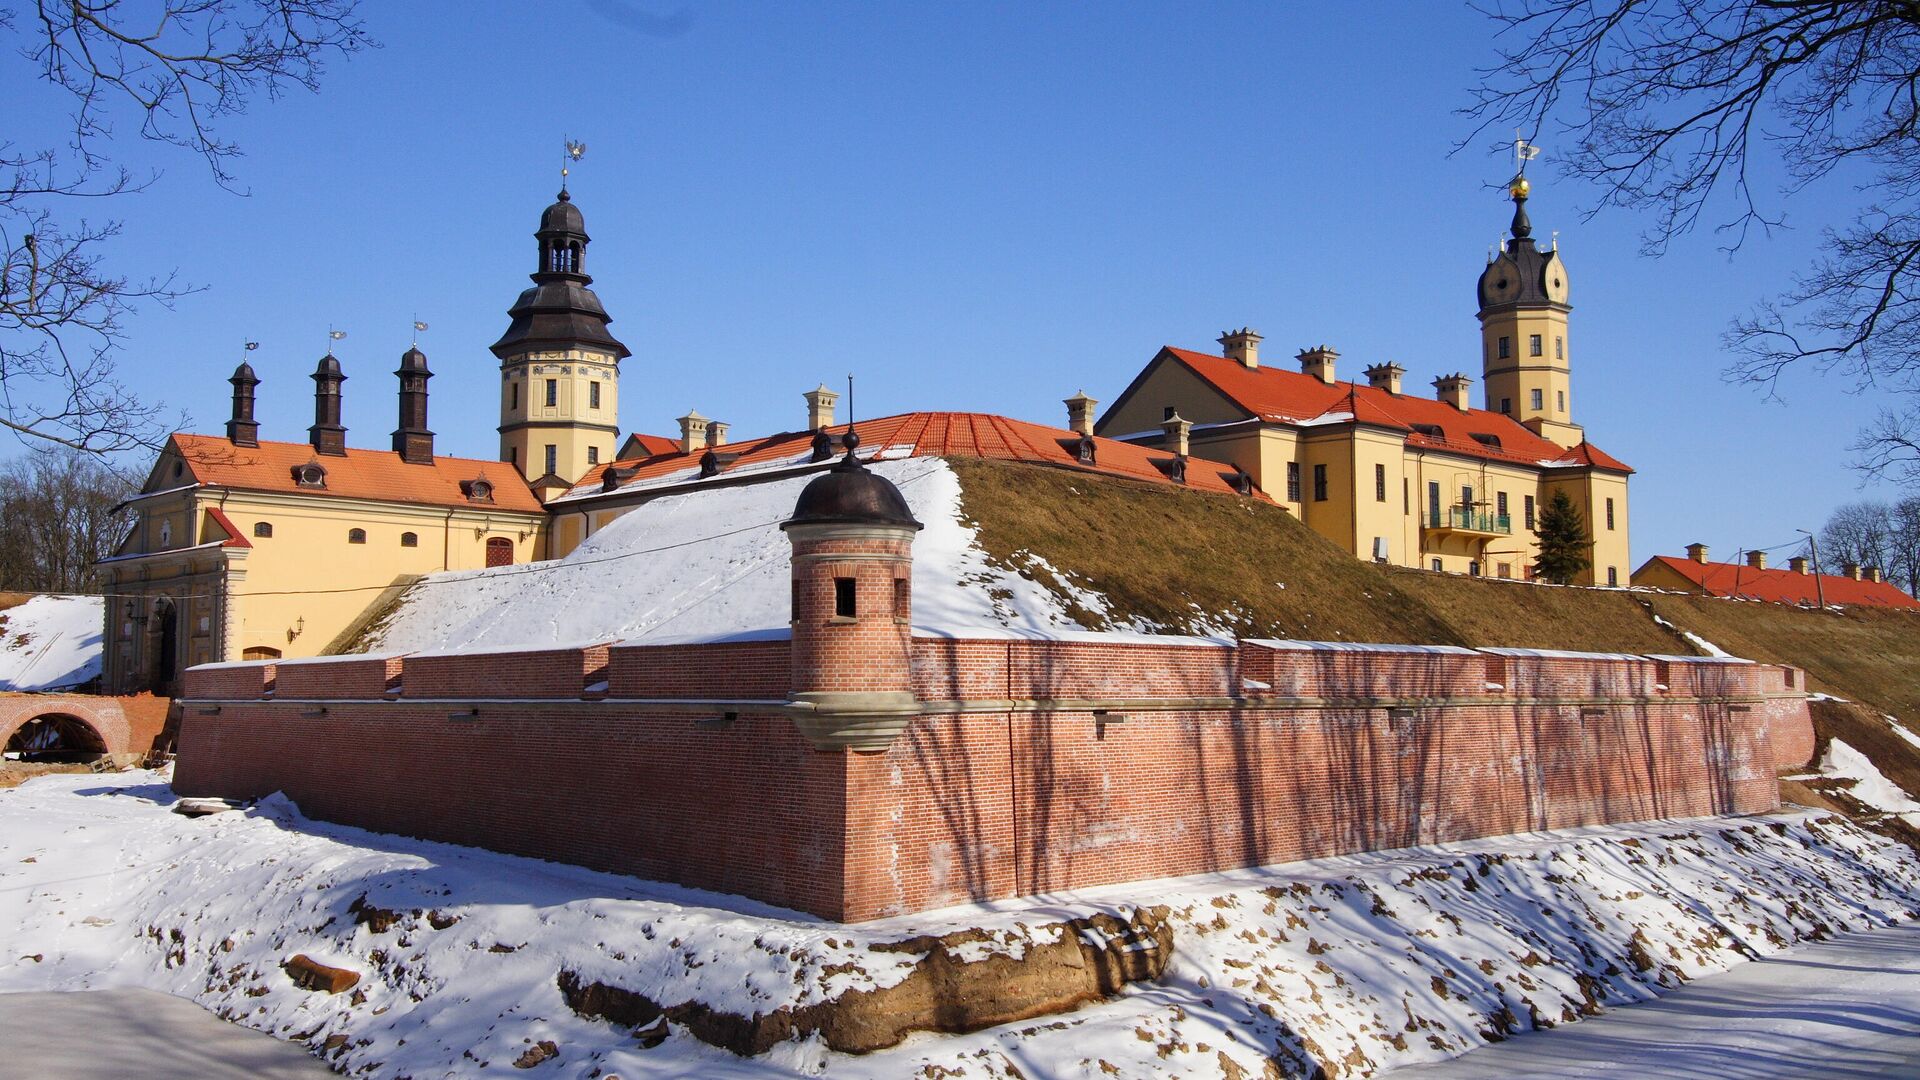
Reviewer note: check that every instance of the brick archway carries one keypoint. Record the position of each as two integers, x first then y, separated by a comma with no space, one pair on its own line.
125,726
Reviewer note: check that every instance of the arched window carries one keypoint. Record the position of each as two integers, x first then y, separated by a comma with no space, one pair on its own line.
499,551
260,652
356,536
263,528
408,539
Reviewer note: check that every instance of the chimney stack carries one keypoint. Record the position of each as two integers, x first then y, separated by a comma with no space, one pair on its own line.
1697,552
1318,362
243,429
1797,564
327,434
820,403
1386,377
1080,413
1241,346
716,433
1177,429
693,431
1851,569
1452,389
1757,560
412,441
1874,575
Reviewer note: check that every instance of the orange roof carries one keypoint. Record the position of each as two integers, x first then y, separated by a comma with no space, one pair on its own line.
361,474
652,445
933,434
1782,586
1291,397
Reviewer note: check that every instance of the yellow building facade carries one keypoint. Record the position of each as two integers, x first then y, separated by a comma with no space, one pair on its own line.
1430,482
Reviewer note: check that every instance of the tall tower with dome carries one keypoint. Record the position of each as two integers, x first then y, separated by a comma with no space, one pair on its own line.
1523,331
559,364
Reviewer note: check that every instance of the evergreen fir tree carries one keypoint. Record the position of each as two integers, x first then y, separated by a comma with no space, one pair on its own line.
1563,541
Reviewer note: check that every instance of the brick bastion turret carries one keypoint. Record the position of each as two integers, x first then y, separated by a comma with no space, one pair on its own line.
854,768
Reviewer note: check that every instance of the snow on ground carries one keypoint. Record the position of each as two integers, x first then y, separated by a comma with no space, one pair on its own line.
1865,782
51,642
1353,963
713,563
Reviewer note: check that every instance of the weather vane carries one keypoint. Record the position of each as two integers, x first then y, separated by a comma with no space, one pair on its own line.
333,336
1523,152
252,345
417,327
574,152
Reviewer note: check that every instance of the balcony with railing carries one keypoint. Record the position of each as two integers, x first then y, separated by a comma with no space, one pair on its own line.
1469,521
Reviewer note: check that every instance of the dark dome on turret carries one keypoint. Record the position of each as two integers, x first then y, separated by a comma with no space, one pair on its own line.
244,374
1520,274
848,494
563,216
329,365
412,360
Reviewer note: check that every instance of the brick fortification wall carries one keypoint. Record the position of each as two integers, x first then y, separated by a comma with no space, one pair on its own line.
1034,765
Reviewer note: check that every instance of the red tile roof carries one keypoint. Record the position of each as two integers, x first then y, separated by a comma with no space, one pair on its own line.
652,445
361,474
1278,395
1782,586
940,434
234,539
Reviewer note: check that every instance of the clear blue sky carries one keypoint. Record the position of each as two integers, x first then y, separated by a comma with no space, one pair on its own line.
981,207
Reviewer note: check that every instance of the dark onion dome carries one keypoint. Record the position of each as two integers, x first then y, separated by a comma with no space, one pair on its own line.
244,374
848,494
329,366
559,311
413,360
563,217
1522,274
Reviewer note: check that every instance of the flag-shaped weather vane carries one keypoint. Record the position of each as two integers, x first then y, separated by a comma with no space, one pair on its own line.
418,326
575,150
333,336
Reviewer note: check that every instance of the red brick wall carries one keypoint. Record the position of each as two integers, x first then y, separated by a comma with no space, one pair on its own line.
995,804
870,652
335,680
216,681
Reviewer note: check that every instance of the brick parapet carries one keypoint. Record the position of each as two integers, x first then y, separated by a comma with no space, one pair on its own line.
343,678
533,674
247,679
755,670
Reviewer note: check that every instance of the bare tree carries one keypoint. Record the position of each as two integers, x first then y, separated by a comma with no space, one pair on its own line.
59,514
1680,106
1859,533
175,68
1903,554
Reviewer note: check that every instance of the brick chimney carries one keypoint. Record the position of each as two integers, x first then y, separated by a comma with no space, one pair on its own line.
411,440
1177,429
327,434
1797,564
820,403
1318,362
1757,560
693,431
243,429
1851,570
1242,346
1080,413
1697,552
1452,389
716,433
1386,377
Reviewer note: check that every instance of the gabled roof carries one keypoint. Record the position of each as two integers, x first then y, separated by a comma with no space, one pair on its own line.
640,445
1276,395
362,474
1781,586
922,434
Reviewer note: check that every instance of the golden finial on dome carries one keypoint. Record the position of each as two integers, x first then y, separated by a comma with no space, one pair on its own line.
1518,187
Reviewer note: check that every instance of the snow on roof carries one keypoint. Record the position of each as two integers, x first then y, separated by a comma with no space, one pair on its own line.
1563,654
689,566
51,642
1286,644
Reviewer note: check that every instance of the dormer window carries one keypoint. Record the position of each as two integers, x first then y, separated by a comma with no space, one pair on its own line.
1432,431
311,475
478,490
1485,439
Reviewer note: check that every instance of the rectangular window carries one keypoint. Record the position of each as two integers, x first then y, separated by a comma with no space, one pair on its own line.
553,458
593,455
593,395
1433,504
1528,508
843,598
515,395
553,392
1533,345
1436,566
1319,483
1293,481
1609,514
1379,483
1539,402
1506,569
1559,348
1613,575
1506,406
1506,348
902,595
1500,507
1466,497
1562,395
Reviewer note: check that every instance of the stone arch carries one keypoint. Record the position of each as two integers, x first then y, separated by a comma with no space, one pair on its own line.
94,720
57,736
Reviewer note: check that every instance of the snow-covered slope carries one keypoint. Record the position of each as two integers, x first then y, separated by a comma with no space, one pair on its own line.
1350,964
51,642
711,563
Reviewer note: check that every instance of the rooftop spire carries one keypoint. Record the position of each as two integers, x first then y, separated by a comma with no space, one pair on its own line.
1522,228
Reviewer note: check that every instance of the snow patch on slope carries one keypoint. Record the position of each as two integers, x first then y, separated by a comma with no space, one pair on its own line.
1353,964
715,562
51,642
